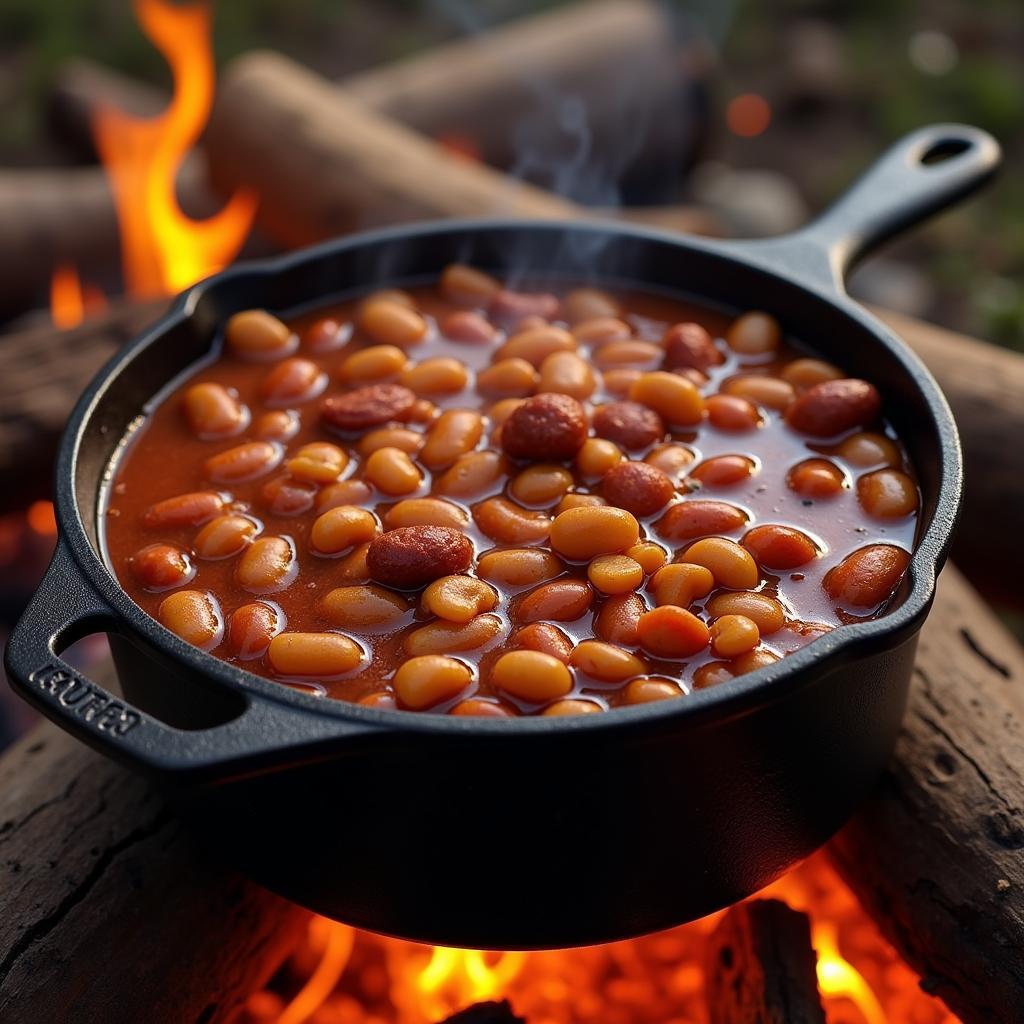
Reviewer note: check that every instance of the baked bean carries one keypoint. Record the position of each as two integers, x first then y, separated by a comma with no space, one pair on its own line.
369,406
326,334
194,616
386,295
468,286
541,484
318,463
441,636
257,335
629,424
559,601
191,509
458,598
754,334
465,325
671,459
780,547
597,331
339,529
689,346
700,518
476,708
732,635
650,556
267,565
224,536
161,566
293,381
423,411
440,376
412,556
887,493
731,565
571,707
597,456
519,567
352,569
367,607
583,304
277,425
584,533
579,501
616,355
767,392
382,700
514,378
723,470
344,492
471,475
618,382
426,512
453,434
284,496
515,308
672,632
606,662
834,406
507,523
681,583
313,655
867,450
392,472
376,363
565,373
650,689
618,619
531,676
714,673
615,574
536,344
730,412
752,661
867,577
638,487
816,478
406,440
762,609
213,412
391,323
543,637
502,409
251,628
805,373
545,427
243,462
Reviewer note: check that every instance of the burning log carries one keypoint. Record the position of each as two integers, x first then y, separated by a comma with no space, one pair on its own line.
935,855
760,967
112,912
486,1013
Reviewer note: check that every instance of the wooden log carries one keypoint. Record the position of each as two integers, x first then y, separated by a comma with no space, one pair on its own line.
486,1013
760,967
110,913
937,855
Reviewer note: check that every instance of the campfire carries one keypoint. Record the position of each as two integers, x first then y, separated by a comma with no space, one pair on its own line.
911,916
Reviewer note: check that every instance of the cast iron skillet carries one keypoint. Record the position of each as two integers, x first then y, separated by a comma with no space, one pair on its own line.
535,832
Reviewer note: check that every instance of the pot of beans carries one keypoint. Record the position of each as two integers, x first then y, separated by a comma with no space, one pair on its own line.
509,584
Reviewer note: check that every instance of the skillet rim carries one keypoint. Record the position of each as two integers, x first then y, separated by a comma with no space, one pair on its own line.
735,698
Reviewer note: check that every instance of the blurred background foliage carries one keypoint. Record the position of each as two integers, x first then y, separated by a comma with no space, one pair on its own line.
843,80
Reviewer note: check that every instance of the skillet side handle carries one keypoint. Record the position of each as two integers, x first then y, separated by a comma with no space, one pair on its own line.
66,608
924,172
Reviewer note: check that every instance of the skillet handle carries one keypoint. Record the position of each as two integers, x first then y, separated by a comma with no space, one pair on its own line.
924,172
66,608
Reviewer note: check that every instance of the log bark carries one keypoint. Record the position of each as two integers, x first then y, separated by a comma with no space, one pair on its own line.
110,913
760,967
937,855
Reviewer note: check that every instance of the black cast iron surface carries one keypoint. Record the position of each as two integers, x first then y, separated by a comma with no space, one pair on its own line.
532,832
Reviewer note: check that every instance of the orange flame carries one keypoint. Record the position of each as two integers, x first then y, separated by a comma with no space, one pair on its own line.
67,302
164,250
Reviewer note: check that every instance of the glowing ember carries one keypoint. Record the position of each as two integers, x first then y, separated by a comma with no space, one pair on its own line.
163,249
748,115
342,976
41,519
67,303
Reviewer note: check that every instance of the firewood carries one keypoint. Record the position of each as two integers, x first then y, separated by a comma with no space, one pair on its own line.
936,854
760,967
486,1013
110,912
